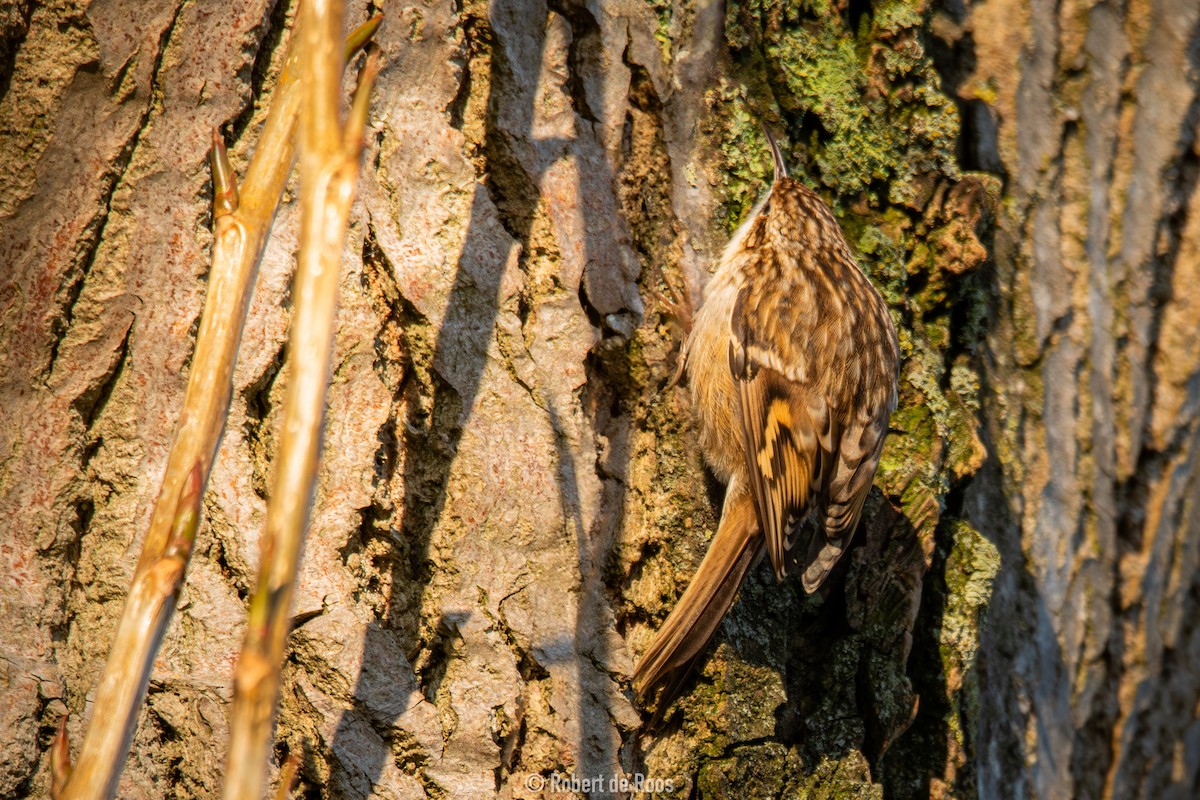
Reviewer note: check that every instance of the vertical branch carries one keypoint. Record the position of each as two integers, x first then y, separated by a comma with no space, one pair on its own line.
242,220
60,760
329,172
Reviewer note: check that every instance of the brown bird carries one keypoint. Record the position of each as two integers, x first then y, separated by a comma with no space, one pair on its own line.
792,363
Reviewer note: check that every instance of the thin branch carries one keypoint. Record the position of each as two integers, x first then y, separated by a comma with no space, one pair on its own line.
60,760
329,165
287,777
241,221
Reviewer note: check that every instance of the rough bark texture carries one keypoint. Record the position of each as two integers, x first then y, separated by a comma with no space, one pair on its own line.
1092,663
511,500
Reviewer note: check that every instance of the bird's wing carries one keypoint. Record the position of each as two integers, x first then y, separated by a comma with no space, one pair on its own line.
786,438
851,473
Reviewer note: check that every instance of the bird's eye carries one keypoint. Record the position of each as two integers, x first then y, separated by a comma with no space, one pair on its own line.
766,209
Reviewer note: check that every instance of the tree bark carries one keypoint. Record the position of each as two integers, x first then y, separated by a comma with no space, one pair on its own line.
1091,673
512,497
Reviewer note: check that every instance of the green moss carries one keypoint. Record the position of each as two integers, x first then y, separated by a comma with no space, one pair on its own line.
822,72
868,101
662,13
882,248
894,17
847,778
865,105
746,158
971,569
755,771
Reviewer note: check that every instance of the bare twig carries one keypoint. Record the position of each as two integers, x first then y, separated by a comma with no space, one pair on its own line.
287,777
60,760
148,608
329,159
241,221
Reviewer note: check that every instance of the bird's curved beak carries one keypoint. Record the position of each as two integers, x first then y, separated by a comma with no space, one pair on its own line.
776,156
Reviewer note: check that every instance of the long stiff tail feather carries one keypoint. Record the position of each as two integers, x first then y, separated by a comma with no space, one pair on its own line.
695,619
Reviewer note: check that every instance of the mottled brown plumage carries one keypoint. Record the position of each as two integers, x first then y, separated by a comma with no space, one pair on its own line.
792,363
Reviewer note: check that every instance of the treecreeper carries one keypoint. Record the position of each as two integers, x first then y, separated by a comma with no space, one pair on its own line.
792,364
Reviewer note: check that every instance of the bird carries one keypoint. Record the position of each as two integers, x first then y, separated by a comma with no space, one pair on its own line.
792,366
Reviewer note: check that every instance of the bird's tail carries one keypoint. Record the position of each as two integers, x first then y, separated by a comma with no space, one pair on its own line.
682,639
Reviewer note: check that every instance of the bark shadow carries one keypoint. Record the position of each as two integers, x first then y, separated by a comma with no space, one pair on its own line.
1021,669
923,754
428,448
605,408
596,752
847,666
428,445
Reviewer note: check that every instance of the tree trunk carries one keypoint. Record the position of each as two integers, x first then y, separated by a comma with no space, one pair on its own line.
512,497
1091,669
